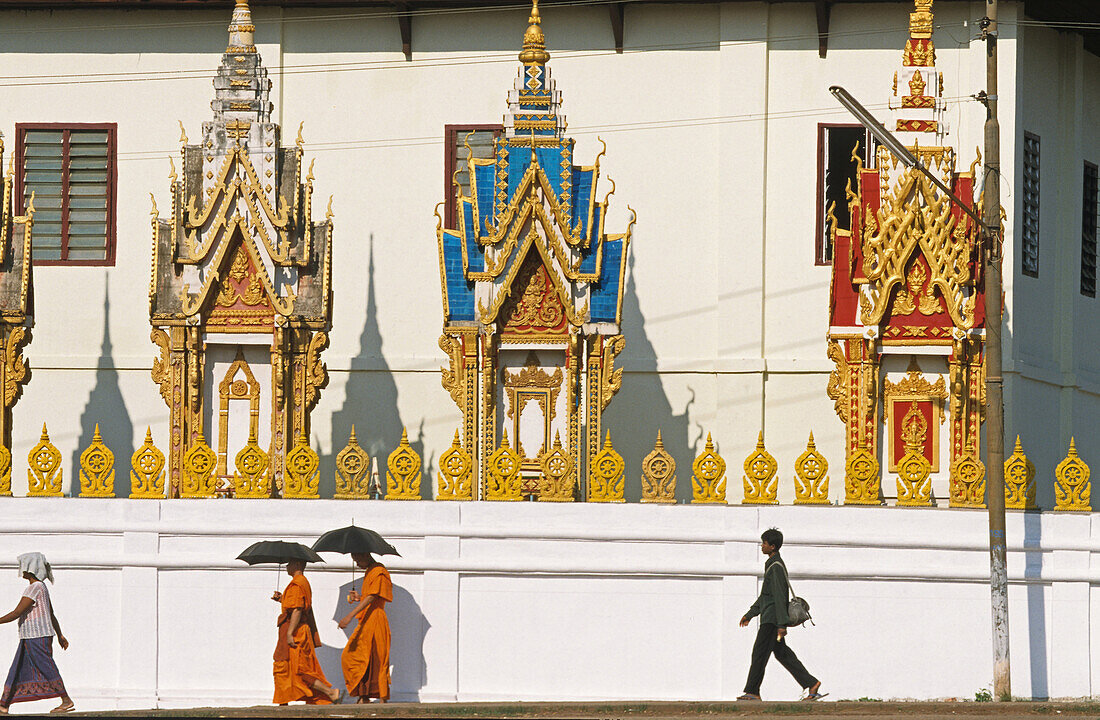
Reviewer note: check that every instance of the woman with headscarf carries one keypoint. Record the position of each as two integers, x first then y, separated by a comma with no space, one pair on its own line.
366,658
34,674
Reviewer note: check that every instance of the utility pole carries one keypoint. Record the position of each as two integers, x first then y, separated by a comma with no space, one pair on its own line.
994,381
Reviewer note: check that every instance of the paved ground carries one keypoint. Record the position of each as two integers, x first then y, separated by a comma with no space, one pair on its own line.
652,711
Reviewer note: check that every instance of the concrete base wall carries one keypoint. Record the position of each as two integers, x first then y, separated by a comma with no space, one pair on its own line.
533,601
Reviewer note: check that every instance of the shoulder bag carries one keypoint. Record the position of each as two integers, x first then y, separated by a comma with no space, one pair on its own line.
798,610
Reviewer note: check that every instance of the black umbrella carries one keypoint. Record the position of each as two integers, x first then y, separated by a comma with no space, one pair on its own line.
354,539
277,551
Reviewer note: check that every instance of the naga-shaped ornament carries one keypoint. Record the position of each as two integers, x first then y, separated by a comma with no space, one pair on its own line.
557,474
967,480
811,476
352,471
302,476
659,475
606,481
45,474
403,478
861,479
1019,480
455,473
504,482
760,482
1071,482
147,470
708,476
97,469
251,479
198,471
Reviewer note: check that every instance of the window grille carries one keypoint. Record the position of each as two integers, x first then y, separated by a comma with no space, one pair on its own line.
1029,247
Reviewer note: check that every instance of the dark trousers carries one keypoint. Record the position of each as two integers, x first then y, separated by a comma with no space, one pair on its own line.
765,645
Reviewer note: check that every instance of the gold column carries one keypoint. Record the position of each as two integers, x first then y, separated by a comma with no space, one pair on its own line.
593,401
488,406
572,396
280,378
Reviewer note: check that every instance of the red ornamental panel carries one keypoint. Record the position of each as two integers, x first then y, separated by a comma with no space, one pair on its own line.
913,422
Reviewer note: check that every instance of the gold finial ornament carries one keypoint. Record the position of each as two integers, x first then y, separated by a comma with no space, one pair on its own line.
5,470
968,480
557,481
659,475
352,471
403,478
606,482
811,476
45,474
302,476
760,481
97,469
251,479
147,470
198,471
1071,482
241,30
861,479
1019,480
504,482
708,478
534,42
455,473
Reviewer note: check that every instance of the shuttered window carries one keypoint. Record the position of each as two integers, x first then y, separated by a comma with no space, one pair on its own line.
456,137
1090,208
1029,246
70,169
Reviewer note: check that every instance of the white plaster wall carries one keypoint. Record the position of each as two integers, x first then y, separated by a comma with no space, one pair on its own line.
530,601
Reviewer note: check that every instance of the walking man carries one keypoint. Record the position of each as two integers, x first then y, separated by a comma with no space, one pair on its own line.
771,606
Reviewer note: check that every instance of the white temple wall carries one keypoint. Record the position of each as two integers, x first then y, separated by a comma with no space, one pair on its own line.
491,598
722,302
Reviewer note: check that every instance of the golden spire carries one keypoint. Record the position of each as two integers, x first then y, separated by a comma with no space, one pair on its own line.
534,43
241,29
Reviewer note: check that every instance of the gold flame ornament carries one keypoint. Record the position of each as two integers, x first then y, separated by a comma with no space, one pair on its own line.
251,479
198,471
504,482
455,473
352,471
761,484
967,480
302,476
659,475
45,474
5,471
97,469
861,479
147,470
1071,482
557,481
708,479
608,469
403,478
811,476
1019,480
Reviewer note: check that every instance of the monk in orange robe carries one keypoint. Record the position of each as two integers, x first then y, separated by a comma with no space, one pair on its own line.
298,674
366,659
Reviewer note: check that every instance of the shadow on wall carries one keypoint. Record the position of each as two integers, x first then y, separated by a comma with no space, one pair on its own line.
370,403
1036,605
642,407
408,626
106,407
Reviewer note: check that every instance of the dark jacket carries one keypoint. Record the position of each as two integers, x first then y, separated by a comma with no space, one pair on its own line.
771,606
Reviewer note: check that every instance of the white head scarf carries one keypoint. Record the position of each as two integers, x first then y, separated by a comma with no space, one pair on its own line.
35,563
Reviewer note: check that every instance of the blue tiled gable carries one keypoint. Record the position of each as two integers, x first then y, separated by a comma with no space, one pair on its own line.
550,161
474,255
588,264
483,185
460,294
582,194
605,295
519,158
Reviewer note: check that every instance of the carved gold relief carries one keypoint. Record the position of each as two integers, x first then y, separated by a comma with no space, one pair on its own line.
532,376
44,476
612,377
251,479
605,482
316,372
403,478
861,479
760,481
914,483
558,481
15,367
811,476
968,481
147,470
453,378
837,389
198,471
5,471
161,372
302,476
455,473
352,471
1071,482
708,479
97,469
1019,480
503,481
659,475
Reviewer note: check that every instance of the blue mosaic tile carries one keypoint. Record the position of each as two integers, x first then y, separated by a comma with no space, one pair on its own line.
518,161
460,294
605,294
582,192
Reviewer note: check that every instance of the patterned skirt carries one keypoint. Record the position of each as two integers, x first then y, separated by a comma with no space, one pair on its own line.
33,674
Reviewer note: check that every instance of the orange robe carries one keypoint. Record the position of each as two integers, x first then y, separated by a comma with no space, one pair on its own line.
366,659
296,668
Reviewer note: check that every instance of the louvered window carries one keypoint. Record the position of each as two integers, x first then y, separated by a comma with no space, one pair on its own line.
456,137
1089,210
70,169
1029,247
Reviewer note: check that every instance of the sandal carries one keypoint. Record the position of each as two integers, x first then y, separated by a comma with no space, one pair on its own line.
749,696
63,708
